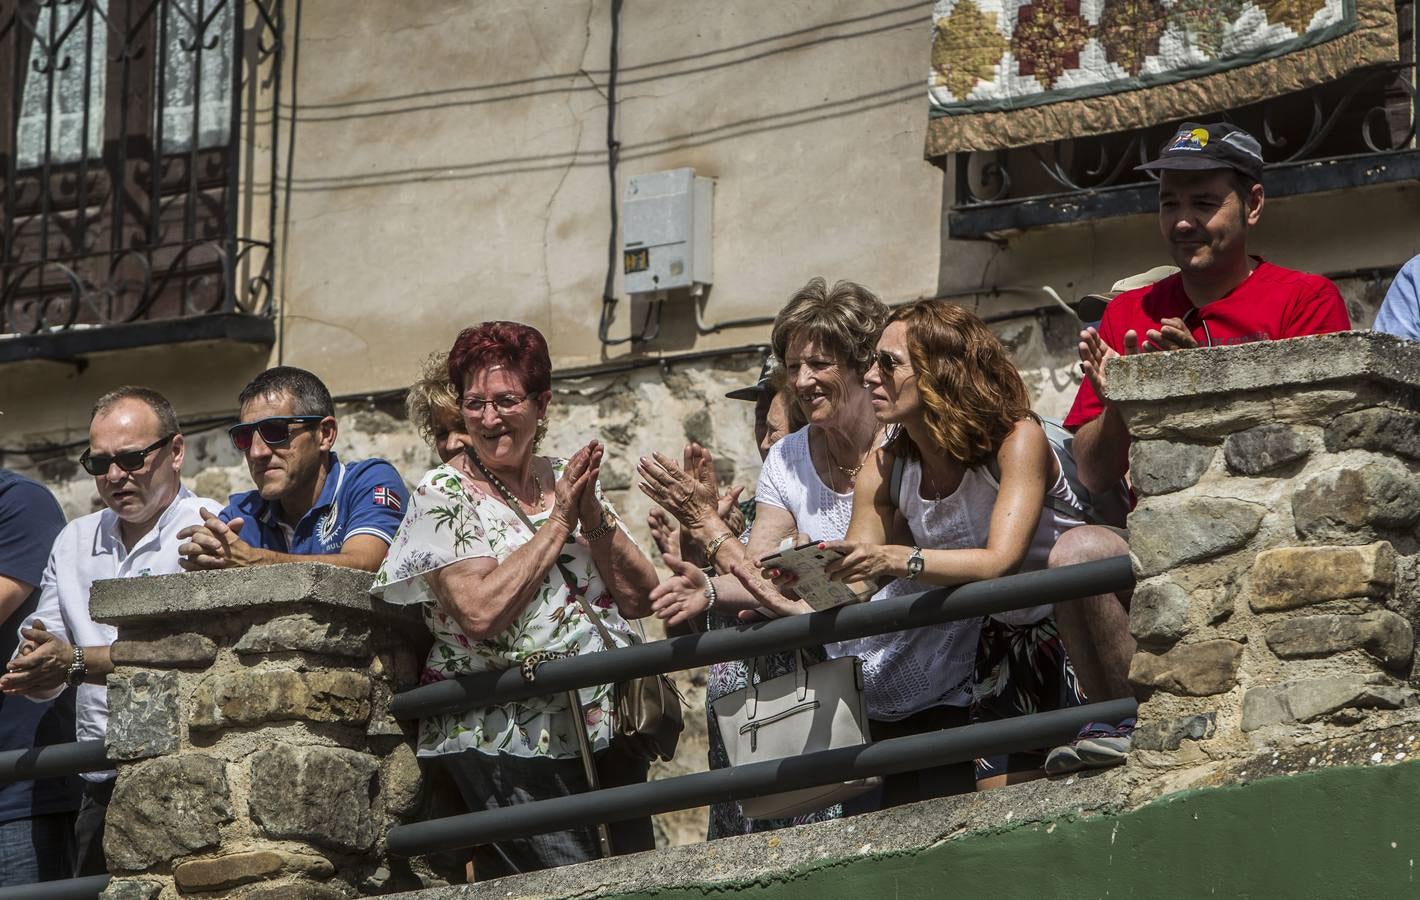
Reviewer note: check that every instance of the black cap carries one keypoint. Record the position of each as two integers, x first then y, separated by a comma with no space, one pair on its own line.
759,388
1216,146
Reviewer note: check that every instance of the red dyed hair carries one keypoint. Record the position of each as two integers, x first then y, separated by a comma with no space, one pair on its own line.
519,348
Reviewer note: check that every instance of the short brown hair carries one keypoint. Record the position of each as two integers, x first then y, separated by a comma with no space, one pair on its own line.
431,395
845,321
971,390
167,416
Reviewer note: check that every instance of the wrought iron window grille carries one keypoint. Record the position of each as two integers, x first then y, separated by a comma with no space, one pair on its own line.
1358,130
128,170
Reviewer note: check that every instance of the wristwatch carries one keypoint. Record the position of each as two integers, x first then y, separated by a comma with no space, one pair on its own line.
77,669
915,562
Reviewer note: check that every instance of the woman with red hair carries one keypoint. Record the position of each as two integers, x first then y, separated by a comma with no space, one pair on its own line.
517,556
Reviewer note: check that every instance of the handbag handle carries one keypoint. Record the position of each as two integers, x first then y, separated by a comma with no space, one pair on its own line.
567,577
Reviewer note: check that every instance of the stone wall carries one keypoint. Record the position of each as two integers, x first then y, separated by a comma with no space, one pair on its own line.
1274,543
249,718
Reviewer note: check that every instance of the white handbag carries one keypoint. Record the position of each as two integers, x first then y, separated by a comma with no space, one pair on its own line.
816,707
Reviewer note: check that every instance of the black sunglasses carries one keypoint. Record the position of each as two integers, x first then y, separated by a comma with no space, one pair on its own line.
128,460
887,362
275,430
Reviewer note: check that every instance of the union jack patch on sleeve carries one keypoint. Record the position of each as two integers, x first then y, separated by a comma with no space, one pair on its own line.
386,497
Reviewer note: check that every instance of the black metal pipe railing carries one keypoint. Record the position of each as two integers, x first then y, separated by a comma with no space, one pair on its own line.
86,888
858,620
888,757
53,761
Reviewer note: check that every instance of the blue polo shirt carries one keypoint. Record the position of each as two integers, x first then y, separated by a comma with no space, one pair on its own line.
366,497
30,520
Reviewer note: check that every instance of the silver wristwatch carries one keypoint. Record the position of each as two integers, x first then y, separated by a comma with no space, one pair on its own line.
915,562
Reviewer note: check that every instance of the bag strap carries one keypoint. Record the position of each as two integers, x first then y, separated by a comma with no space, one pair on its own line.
1051,502
567,577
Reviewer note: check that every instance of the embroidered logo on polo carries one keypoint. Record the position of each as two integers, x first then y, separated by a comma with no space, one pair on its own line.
1193,139
386,497
325,528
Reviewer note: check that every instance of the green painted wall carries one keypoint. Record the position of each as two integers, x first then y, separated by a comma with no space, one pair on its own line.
1333,833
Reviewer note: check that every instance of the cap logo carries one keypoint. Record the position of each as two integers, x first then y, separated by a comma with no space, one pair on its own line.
1193,139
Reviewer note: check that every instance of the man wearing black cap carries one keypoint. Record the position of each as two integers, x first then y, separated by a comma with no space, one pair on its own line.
1210,197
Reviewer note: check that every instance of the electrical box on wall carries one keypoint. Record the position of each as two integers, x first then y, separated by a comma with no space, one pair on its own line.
666,232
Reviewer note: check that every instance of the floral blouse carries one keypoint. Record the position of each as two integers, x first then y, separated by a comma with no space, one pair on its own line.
451,519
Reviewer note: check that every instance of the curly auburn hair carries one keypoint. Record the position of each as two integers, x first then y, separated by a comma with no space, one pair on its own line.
432,395
972,394
845,321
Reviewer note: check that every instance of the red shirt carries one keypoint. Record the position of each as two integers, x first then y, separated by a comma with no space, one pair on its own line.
1271,304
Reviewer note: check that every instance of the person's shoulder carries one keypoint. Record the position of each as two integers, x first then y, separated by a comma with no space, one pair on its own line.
1271,273
243,503
373,469
23,493
791,445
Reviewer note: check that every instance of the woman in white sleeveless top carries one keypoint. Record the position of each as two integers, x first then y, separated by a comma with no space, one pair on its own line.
975,503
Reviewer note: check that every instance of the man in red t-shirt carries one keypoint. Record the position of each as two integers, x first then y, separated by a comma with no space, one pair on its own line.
1210,196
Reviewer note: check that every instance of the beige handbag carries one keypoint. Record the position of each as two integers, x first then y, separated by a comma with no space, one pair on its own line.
816,707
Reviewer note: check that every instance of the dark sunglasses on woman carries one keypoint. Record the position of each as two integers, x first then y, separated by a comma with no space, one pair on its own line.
128,460
274,430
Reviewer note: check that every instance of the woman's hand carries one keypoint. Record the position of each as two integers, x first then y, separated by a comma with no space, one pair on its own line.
589,508
577,476
682,596
680,493
774,603
866,562
665,531
700,462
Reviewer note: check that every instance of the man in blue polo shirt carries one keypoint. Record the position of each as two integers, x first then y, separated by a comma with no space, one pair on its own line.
36,817
308,506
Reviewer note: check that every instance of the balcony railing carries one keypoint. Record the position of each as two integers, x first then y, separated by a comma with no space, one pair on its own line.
1358,130
124,145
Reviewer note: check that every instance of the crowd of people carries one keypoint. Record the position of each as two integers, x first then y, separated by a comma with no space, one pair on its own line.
902,440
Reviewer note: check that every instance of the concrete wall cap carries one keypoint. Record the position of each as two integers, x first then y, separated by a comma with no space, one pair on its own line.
123,601
1303,362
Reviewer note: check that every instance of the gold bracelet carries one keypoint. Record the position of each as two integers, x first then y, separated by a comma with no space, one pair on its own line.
714,546
607,526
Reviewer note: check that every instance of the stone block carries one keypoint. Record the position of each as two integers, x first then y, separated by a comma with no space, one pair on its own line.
1162,467
294,891
1169,734
400,780
217,873
1167,534
315,794
1343,505
174,651
1381,633
1158,614
142,715
1262,449
268,695
1378,429
1307,699
1194,670
131,889
165,808
1290,577
304,633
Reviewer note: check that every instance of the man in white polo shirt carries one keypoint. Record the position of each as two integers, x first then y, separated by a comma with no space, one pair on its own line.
135,455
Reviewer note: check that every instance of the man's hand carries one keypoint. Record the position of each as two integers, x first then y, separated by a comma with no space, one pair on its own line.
42,664
1172,334
214,545
1095,355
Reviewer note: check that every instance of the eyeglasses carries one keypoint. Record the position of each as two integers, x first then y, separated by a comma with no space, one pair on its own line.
504,403
128,460
275,430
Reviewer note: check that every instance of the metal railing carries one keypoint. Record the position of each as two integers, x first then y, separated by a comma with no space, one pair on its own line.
720,785
904,754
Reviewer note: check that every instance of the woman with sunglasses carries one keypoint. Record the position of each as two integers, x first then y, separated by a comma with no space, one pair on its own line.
518,558
981,495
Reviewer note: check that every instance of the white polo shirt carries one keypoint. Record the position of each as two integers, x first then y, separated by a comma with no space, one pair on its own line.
90,549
